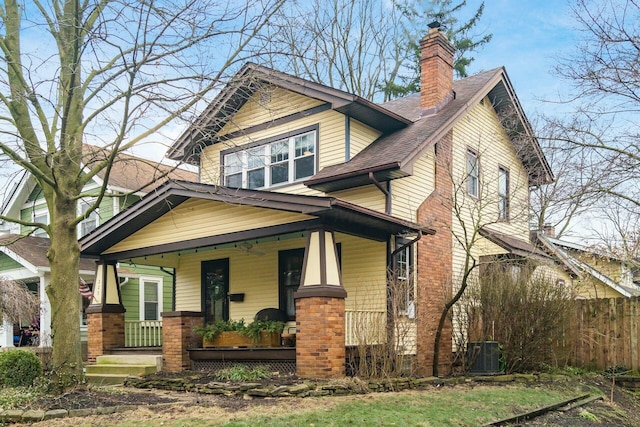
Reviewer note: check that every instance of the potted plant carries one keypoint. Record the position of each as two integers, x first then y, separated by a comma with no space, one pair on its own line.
235,333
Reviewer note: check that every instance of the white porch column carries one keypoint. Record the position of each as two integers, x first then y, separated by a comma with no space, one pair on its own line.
6,334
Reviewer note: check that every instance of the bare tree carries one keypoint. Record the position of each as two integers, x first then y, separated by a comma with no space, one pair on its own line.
370,48
17,301
602,132
110,72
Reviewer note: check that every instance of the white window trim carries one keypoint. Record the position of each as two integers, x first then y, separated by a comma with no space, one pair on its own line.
88,201
242,154
409,310
476,188
159,282
504,216
39,232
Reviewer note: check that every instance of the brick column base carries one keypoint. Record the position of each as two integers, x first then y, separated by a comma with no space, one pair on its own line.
105,329
320,337
178,337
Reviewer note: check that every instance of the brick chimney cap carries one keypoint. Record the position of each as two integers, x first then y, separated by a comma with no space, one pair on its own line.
434,24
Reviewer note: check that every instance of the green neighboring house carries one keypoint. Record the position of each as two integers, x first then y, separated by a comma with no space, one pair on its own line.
146,291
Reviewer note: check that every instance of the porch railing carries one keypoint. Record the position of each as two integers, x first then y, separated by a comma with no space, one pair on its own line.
143,333
365,327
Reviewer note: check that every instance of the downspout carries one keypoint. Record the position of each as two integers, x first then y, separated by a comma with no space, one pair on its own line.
385,191
173,286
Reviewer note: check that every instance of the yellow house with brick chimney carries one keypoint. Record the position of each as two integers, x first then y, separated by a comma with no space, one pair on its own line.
313,201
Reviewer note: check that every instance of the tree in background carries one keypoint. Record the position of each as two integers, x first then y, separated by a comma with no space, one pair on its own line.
110,72
370,48
600,140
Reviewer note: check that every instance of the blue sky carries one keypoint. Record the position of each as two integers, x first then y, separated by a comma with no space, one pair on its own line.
528,38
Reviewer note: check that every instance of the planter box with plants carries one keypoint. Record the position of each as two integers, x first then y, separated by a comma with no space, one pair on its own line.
235,333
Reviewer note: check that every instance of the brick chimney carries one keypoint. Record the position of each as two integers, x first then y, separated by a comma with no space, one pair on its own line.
436,70
549,230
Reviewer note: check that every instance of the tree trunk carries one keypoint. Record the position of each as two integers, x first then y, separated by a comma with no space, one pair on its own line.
64,255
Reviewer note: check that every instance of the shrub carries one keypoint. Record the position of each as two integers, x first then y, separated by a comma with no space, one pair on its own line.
19,368
525,310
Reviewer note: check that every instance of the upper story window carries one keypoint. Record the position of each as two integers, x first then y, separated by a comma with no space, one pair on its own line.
276,162
473,173
503,193
91,221
42,217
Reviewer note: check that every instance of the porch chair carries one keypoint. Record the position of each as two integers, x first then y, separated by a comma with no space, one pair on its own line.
271,314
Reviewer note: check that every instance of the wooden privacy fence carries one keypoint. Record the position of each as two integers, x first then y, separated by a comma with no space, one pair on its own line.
604,333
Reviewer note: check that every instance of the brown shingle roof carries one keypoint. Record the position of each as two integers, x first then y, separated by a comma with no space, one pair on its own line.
134,173
392,155
34,250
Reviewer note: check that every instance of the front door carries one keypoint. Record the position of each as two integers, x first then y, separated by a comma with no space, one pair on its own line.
215,290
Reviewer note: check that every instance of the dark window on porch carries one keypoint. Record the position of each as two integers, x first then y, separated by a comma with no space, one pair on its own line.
215,290
289,272
403,292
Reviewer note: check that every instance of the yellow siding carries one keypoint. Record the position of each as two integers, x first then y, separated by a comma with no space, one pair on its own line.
273,103
409,193
364,272
481,131
361,136
368,196
363,275
201,218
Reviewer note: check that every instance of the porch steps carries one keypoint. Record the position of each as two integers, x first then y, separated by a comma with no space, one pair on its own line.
114,369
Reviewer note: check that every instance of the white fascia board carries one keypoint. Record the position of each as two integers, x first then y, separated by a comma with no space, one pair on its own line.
26,264
19,274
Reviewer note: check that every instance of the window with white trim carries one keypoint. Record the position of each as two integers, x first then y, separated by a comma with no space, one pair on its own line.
473,174
503,194
271,164
40,216
404,293
91,221
150,298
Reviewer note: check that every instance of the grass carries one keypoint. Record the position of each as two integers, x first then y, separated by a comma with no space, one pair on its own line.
242,373
442,407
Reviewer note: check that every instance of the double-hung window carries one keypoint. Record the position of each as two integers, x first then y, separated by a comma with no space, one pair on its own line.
150,298
40,216
283,160
473,174
403,292
503,194
90,222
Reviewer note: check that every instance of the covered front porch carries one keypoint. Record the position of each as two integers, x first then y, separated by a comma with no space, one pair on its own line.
321,261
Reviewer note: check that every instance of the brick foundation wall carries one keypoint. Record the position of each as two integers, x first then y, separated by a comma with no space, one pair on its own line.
435,267
178,337
320,338
105,330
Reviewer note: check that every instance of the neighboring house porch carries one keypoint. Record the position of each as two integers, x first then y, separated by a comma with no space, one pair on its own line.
321,260
24,259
